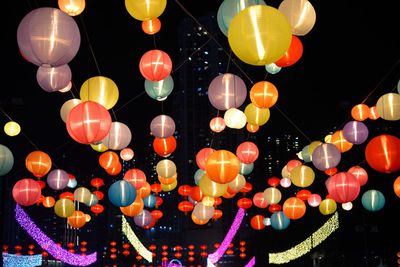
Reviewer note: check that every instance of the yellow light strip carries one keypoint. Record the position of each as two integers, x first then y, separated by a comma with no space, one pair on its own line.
127,230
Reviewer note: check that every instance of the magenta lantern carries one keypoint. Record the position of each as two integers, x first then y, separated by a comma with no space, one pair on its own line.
57,179
202,156
26,192
326,156
48,37
53,79
247,152
88,122
343,187
155,65
227,91
356,132
162,126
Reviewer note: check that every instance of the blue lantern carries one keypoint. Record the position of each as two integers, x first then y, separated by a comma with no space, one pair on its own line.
279,221
121,193
373,200
159,90
6,160
149,201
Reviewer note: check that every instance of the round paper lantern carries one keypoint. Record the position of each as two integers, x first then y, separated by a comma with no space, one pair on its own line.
222,166
273,181
118,137
246,169
255,115
144,9
383,153
53,79
272,195
197,175
168,181
211,188
82,195
303,194
294,208
203,212
272,68
101,90
185,206
302,176
326,156
67,106
285,182
49,202
88,122
12,128
261,41
327,206
164,146
162,126
208,201
198,221
26,192
300,14
155,65
6,160
314,200
166,168
217,124
149,201
38,163
373,113
72,183
126,154
93,200
247,152
77,219
184,190
97,209
244,203
64,208
67,89
252,128
159,90
121,193
259,200
108,159
144,218
145,190
388,106
235,118
238,183
373,200
133,209
202,156
360,173
136,177
72,8
279,221
57,179
264,94
293,54
274,208
257,222
360,112
356,132
396,186
151,26
340,142
343,187
227,91
48,37
292,164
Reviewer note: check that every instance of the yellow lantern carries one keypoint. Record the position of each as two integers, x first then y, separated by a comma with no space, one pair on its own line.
211,188
300,14
12,128
145,9
208,201
100,89
166,168
235,118
99,147
64,208
259,35
388,107
272,195
169,187
72,7
327,206
312,146
256,115
67,106
302,176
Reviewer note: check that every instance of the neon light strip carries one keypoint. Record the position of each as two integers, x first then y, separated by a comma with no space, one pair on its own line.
11,260
214,257
251,263
311,242
127,230
47,244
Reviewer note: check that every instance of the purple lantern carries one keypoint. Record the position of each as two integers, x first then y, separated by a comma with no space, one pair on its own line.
356,132
52,79
144,218
227,91
162,126
326,156
57,179
47,36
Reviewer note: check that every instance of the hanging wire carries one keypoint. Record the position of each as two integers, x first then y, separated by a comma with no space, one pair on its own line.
89,43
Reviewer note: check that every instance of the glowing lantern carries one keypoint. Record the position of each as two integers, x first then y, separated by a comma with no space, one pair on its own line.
259,200
373,200
82,195
383,153
77,219
326,156
12,128
250,39
373,113
98,194
356,132
340,142
347,206
222,166
6,160
151,26
88,122
145,190
48,37
159,90
208,201
252,128
136,177
144,218
145,10
294,208
26,192
157,214
303,194
64,208
72,7
166,168
210,188
202,156
108,159
238,183
97,209
196,194
292,164
162,126
217,124
314,200
67,195
155,188
198,221
327,206
246,169
97,182
247,152
185,206
360,112
360,173
126,154
66,88
121,193
388,107
285,182
293,54
264,94
255,115
247,188
302,176
244,203
301,15
53,79
272,68
57,179
48,202
164,146
155,65
101,90
256,222
203,212
38,163
134,208
184,190
343,187
272,195
279,221
227,91
235,118
169,187
118,137
67,106
396,186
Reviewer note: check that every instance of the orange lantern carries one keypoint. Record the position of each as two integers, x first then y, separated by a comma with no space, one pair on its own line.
144,191
38,163
247,152
196,193
340,142
167,181
383,153
108,159
202,156
217,124
222,166
373,113
360,112
155,188
126,253
217,214
396,188
184,190
135,177
151,26
252,128
257,222
244,203
217,201
292,55
164,146
198,221
77,219
263,94
294,208
114,170
155,65
72,7
134,208
49,202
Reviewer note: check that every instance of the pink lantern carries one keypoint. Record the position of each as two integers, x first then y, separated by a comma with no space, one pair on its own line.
259,200
217,124
314,200
247,152
162,126
360,173
343,187
202,156
53,79
26,192
155,65
135,177
126,154
88,122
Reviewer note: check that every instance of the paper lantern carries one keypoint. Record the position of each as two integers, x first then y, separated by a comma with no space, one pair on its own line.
149,201
326,156
159,90
145,9
115,170
77,219
57,179
97,209
373,113
64,208
48,37
340,142
217,124
202,156
259,41
302,176
121,193
151,26
93,200
300,14
26,192
53,79
72,7
48,202
373,200
227,91
133,209
294,208
211,188
6,160
246,169
155,65
198,221
293,54
164,146
166,168
247,152
108,159
38,163
388,106
196,194
396,186
168,181
222,166
293,164
259,200
327,206
235,118
252,128
184,190
66,88
360,173
360,112
356,132
238,183
12,128
272,68
256,222
143,219
264,94
203,212
162,126
343,187
101,90
255,115
185,206
314,200
208,201
82,195
303,194
88,122
136,177
67,106
118,137
67,195
272,195
383,153
244,203
279,221
126,154
247,188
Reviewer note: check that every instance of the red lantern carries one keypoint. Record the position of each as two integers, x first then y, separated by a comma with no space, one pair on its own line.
113,256
184,190
151,26
155,65
360,173
217,201
114,170
247,152
217,124
98,194
274,208
88,122
42,184
126,253
49,202
26,192
246,188
155,188
293,54
303,194
196,194
257,222
38,163
202,156
331,171
159,201
274,181
83,243
67,195
157,214
185,206
97,182
244,203
383,153
293,164
217,214
136,177
97,209
164,146
108,159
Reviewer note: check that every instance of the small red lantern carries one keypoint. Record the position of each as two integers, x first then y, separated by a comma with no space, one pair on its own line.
274,208
185,206
274,181
97,209
184,190
126,253
217,214
164,146
67,195
155,188
244,203
97,182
